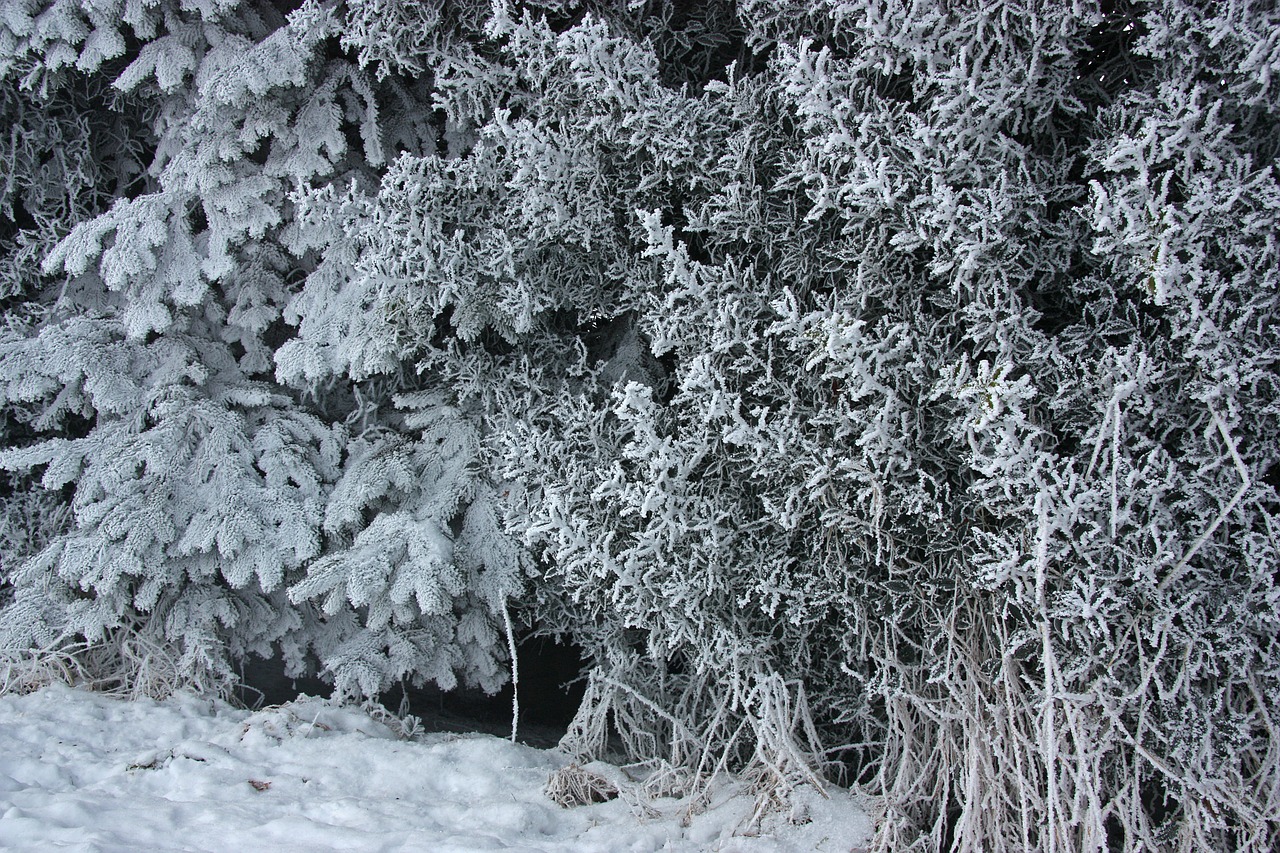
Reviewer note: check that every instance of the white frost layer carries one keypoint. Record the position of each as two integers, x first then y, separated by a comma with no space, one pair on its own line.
85,772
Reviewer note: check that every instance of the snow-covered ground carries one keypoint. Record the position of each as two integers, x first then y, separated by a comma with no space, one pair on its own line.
85,772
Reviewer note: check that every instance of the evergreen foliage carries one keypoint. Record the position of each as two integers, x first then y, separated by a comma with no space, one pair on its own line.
139,373
879,389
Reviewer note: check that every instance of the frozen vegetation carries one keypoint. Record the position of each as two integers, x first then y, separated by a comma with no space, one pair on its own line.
879,393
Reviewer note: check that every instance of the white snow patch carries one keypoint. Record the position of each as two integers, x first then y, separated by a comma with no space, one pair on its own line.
81,771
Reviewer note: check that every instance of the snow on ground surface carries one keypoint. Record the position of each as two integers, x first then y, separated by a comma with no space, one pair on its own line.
85,772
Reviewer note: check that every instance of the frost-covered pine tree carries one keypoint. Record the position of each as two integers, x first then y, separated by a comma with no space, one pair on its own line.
139,373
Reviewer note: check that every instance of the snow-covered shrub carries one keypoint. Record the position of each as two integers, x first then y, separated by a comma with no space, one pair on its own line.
899,425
